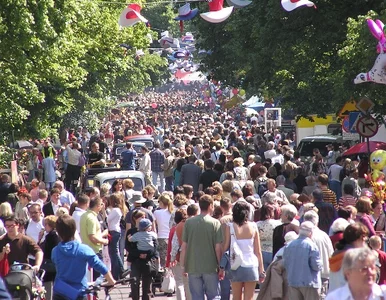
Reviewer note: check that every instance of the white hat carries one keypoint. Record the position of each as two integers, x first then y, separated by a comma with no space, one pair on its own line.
131,16
217,13
290,5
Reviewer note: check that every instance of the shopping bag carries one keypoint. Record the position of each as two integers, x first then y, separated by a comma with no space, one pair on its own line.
168,283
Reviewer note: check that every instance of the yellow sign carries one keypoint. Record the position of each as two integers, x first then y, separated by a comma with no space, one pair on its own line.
347,108
306,123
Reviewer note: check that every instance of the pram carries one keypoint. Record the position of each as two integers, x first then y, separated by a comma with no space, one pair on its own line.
23,283
156,280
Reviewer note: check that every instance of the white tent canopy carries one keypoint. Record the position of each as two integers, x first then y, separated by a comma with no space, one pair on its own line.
254,101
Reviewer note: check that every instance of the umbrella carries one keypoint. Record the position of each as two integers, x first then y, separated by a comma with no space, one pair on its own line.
362,148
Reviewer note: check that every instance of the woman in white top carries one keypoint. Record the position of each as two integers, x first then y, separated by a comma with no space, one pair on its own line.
246,235
116,204
162,218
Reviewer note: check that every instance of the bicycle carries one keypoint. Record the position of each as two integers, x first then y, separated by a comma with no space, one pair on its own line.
93,289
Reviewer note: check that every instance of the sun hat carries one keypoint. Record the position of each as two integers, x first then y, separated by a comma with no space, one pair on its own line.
185,13
217,13
290,5
131,15
137,198
144,224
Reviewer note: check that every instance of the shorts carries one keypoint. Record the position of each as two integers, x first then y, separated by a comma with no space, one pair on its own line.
245,274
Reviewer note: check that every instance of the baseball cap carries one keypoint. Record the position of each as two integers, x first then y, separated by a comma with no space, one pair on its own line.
144,224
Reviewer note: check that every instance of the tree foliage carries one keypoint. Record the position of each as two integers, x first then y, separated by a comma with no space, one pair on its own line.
62,56
308,57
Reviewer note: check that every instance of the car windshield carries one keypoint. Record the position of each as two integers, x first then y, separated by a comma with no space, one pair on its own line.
137,183
119,150
306,147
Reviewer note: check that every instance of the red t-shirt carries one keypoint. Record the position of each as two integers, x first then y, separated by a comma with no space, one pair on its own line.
382,261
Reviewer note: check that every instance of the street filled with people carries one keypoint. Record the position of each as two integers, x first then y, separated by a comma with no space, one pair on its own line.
213,205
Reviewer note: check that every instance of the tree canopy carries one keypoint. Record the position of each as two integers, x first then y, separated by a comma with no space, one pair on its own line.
307,57
63,56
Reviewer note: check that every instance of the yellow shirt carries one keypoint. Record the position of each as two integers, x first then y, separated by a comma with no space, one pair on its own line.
89,224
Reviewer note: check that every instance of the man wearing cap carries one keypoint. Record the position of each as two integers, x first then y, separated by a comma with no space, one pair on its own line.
138,200
302,262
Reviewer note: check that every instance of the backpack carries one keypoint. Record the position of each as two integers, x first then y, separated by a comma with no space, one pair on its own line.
235,253
261,186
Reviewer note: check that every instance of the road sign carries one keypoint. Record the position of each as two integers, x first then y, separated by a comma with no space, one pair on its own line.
367,126
348,136
353,119
347,108
346,124
365,105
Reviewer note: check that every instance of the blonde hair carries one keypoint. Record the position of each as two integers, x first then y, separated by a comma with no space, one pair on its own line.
50,221
375,242
117,200
238,162
5,209
105,189
227,186
166,201
309,206
62,211
128,183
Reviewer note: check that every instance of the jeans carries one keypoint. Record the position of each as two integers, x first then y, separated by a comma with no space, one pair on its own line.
169,182
116,261
336,187
155,176
140,269
204,284
267,259
122,244
182,284
225,286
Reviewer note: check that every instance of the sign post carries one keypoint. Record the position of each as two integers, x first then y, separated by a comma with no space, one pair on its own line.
366,126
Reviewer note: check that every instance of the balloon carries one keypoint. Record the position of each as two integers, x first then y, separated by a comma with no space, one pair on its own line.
235,91
154,105
376,73
242,92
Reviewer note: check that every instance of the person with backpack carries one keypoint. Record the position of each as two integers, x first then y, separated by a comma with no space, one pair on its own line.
261,181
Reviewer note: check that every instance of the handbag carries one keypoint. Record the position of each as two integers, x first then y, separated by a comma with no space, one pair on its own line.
48,266
235,253
168,283
66,290
4,266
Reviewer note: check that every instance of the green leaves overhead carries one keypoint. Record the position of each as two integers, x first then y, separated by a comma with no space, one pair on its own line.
308,57
62,56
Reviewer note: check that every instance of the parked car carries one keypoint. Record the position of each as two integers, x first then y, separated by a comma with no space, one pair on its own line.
109,177
142,138
118,148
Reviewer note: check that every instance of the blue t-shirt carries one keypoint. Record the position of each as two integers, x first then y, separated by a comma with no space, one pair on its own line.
128,162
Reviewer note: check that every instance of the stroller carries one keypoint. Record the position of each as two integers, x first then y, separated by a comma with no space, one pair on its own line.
156,278
23,283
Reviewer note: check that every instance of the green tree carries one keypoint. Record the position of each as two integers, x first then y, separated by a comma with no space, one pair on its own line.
61,56
308,57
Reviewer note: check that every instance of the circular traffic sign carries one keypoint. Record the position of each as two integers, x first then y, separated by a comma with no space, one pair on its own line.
346,124
367,126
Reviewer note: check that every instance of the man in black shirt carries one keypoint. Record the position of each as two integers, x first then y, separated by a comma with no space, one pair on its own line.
96,158
208,176
4,187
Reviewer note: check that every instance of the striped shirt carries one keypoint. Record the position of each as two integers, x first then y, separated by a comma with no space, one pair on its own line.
329,197
347,200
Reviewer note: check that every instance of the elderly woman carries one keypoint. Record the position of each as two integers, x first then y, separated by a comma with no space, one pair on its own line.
359,269
310,187
363,206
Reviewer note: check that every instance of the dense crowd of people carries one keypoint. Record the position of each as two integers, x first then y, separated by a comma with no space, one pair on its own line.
227,204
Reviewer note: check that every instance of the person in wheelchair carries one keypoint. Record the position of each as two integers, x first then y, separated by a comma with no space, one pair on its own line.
71,259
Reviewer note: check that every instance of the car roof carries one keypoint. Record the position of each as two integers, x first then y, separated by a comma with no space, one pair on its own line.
328,137
139,144
118,175
139,137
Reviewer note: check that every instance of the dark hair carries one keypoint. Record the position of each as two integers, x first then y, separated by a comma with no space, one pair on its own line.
352,233
247,191
54,191
115,183
267,212
240,212
178,190
204,202
363,205
192,210
348,189
11,218
344,213
128,145
197,196
95,202
209,164
14,188
217,212
187,189
66,227
323,179
317,194
180,163
72,207
83,199
180,215
209,191
226,203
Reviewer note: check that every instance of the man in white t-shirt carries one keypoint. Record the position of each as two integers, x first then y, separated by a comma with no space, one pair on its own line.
83,202
35,224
